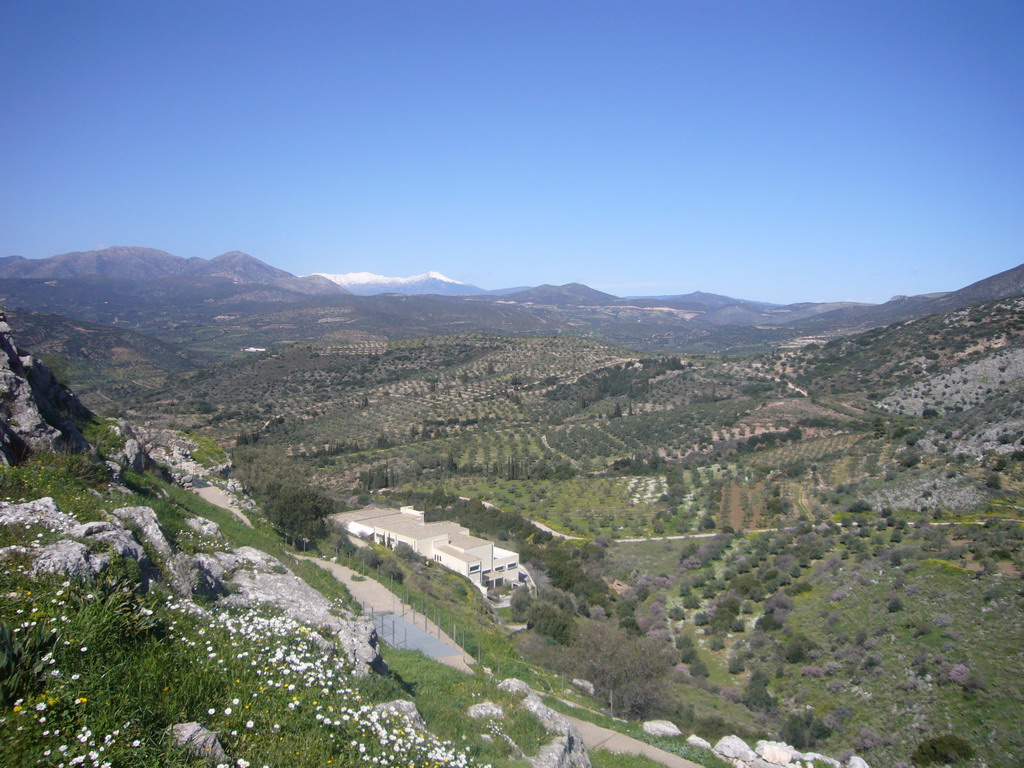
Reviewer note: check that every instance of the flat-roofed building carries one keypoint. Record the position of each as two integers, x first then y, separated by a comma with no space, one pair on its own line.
444,542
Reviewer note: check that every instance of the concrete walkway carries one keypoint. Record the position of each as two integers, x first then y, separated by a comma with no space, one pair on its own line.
401,622
414,628
596,737
409,627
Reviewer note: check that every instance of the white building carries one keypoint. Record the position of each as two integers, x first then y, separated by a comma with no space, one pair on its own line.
447,543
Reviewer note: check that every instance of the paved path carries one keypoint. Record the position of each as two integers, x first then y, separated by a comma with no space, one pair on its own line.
395,620
596,737
416,631
419,633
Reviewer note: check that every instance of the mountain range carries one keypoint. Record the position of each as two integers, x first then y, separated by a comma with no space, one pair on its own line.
370,284
254,303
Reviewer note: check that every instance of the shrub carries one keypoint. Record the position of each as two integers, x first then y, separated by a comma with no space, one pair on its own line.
942,749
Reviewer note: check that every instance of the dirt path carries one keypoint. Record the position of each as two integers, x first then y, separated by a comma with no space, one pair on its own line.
219,498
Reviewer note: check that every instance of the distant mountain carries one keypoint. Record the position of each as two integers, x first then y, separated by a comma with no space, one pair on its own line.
129,263
568,295
856,317
370,284
132,263
237,267
700,300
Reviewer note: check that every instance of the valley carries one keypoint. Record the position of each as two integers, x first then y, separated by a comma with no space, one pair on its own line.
820,544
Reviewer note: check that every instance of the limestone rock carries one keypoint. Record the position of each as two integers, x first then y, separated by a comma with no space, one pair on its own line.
175,451
37,413
485,709
198,741
146,521
132,455
513,685
566,750
191,575
42,512
811,757
856,762
697,741
358,640
405,709
734,748
204,526
67,557
777,752
662,728
256,577
584,685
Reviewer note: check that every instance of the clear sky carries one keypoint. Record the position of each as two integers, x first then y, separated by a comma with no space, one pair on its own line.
770,150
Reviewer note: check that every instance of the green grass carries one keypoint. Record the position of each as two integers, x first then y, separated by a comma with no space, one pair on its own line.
208,451
443,696
125,667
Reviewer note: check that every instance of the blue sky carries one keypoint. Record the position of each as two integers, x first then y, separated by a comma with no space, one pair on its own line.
779,151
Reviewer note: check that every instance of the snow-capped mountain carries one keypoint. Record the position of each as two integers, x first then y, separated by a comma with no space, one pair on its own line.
368,284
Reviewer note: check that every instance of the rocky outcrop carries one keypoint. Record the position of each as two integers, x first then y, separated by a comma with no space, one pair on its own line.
176,452
770,754
37,412
566,749
245,576
85,553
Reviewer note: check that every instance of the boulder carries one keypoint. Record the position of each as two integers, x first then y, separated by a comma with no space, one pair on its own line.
145,520
697,741
204,526
734,748
661,728
512,685
358,640
856,762
198,741
566,750
42,512
254,577
777,752
191,575
812,757
485,709
132,456
70,558
406,710
584,685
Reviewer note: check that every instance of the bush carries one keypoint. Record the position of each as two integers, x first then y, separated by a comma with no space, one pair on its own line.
804,730
942,749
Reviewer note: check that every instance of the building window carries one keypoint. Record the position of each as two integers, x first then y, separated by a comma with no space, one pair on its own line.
474,568
499,568
512,565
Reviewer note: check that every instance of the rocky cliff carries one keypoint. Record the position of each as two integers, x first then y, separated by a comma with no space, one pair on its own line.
37,412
